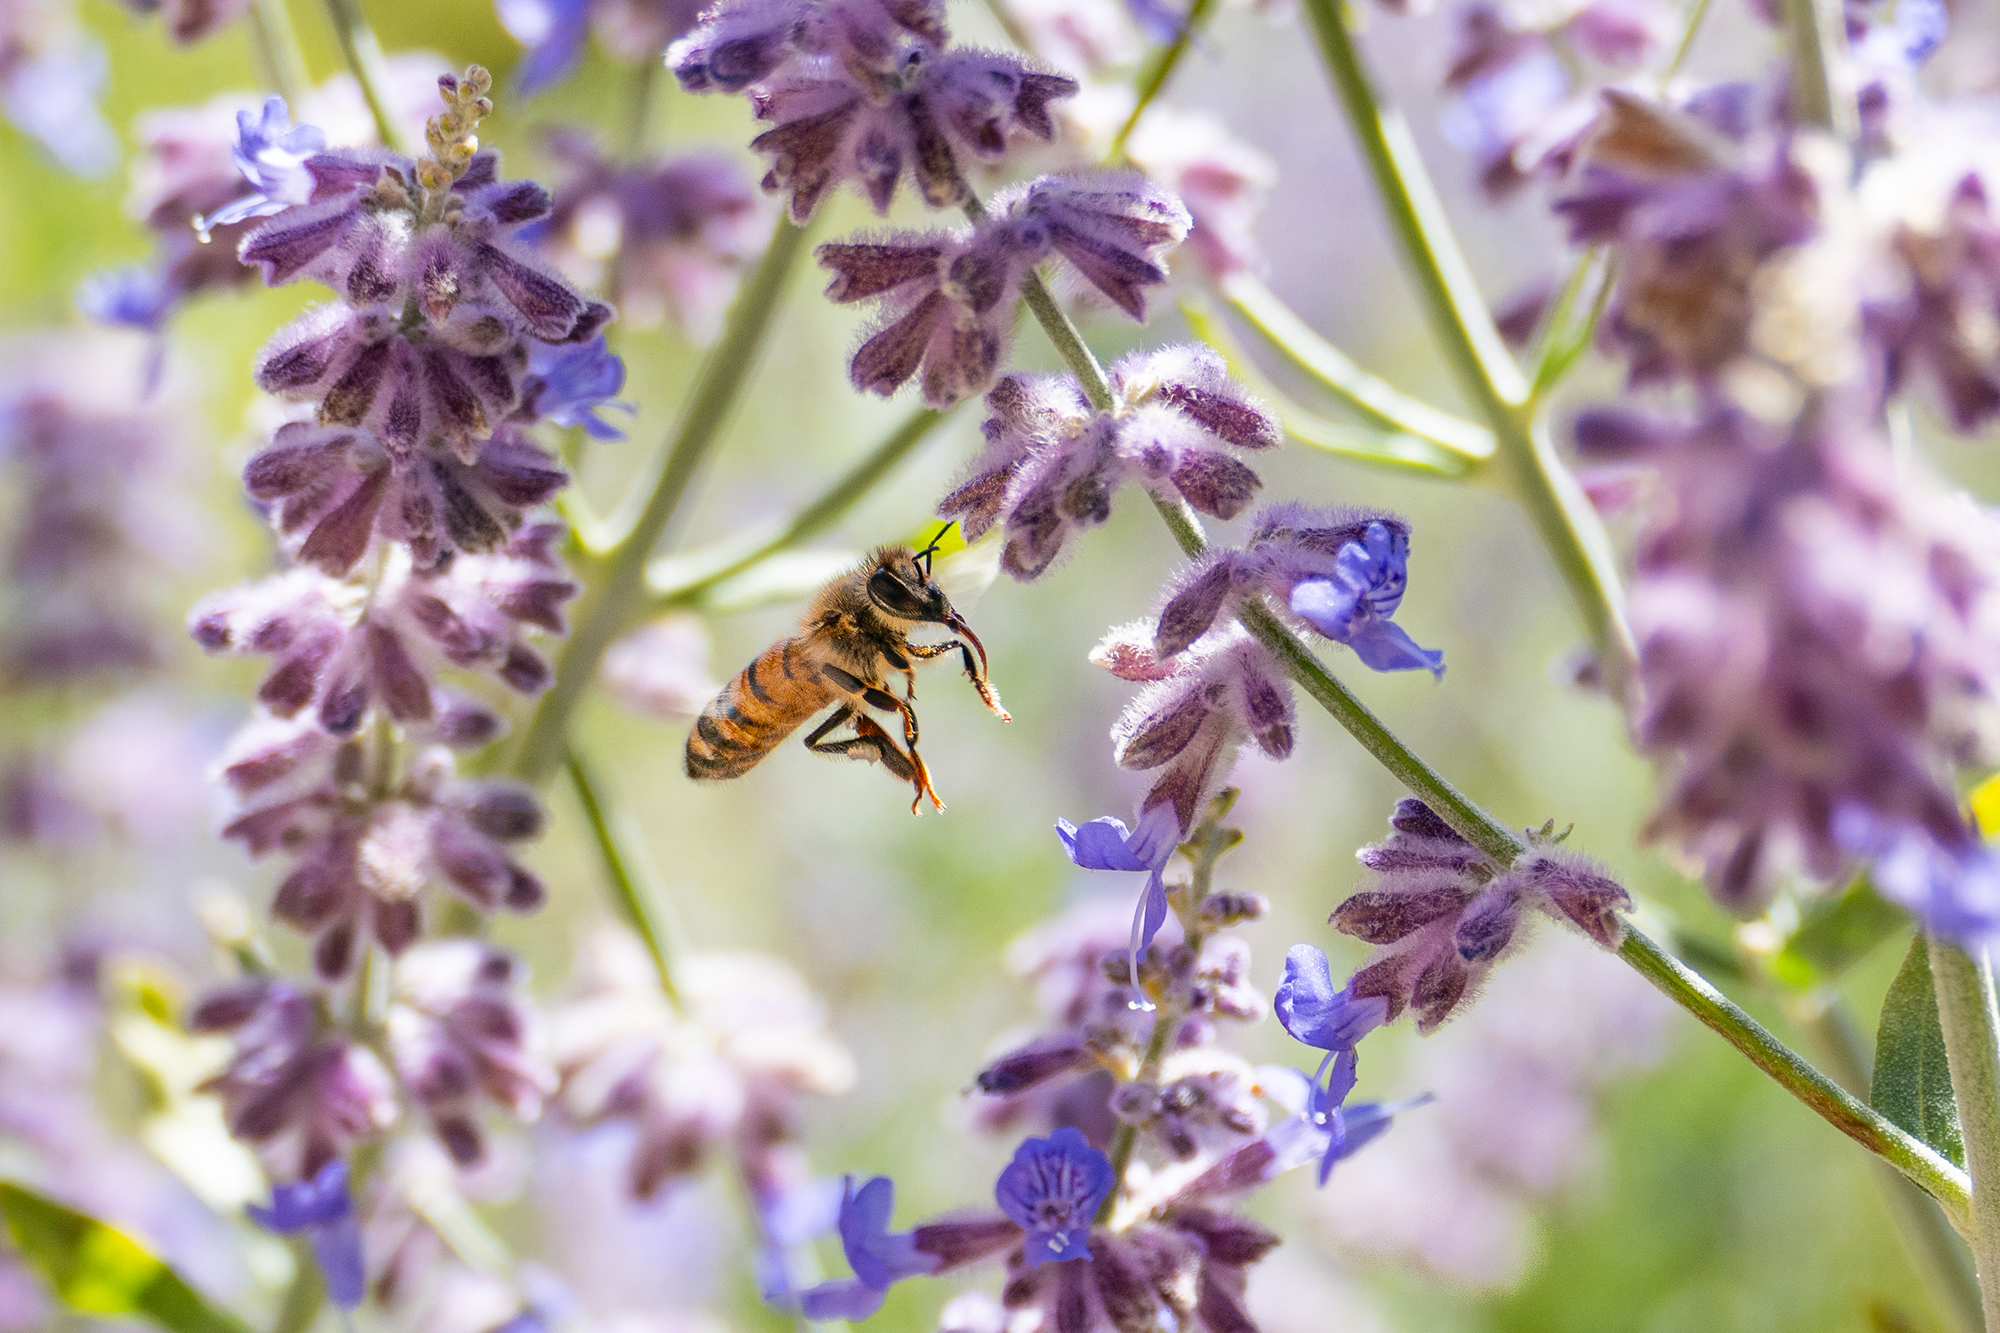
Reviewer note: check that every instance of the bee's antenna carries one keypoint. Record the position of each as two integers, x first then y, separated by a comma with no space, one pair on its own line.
924,556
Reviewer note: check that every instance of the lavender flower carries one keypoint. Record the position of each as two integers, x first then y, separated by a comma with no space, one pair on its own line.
1051,464
1693,202
364,853
1308,1006
459,1028
1341,573
865,91
879,1257
661,668
296,1088
340,655
948,299
1052,1190
1105,844
664,238
191,21
1443,914
1765,608
271,154
1323,1128
322,1209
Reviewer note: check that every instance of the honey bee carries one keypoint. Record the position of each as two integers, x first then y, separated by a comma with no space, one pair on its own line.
854,633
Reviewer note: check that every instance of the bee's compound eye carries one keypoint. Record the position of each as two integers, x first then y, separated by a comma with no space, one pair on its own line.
894,596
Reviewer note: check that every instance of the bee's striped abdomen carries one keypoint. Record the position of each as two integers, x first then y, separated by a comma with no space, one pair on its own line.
771,699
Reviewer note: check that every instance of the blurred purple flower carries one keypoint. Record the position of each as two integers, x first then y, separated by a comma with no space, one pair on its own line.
665,238
459,1027
554,33
190,21
322,1208
135,297
1052,1190
51,73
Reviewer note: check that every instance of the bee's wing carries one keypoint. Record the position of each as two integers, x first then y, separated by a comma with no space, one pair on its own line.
968,572
791,576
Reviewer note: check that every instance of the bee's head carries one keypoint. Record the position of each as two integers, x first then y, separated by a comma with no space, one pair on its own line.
901,587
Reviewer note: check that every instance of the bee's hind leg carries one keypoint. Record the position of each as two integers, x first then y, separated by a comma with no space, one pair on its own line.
870,742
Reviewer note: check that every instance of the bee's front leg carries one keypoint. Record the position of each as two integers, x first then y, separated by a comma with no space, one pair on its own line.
987,694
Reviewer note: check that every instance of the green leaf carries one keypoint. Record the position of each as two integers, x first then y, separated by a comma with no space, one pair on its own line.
96,1268
1839,929
1912,1084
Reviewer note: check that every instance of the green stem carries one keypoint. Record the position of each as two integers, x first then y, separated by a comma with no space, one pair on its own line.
1819,48
278,51
639,109
364,56
1937,1251
615,582
832,505
1569,527
1069,344
1157,73
634,880
305,1294
1972,1047
1375,399
1695,16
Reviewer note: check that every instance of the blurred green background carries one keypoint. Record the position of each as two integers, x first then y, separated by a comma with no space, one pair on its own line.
1702,1198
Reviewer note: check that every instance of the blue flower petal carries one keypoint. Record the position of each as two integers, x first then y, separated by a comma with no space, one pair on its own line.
1383,645
852,1300
1308,1006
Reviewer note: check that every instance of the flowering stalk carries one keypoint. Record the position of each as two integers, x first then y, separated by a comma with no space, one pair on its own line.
1972,1045
615,577
363,51
846,491
1459,318
1686,988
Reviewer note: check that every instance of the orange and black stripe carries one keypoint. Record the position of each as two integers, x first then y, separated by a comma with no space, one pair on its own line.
771,699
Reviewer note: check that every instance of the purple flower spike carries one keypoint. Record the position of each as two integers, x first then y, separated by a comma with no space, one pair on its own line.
879,1257
1053,1188
1314,1012
1354,603
322,1209
271,154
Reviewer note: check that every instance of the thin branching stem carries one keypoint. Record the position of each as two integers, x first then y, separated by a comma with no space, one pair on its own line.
615,581
1376,400
846,491
364,57
1964,984
635,881
1464,328
1159,71
278,51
